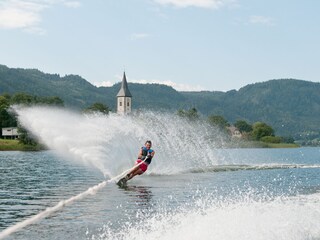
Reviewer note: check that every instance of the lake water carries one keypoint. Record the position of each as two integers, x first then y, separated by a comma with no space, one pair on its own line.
194,188
244,194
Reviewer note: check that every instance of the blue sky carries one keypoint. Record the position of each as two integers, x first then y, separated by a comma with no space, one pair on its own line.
215,45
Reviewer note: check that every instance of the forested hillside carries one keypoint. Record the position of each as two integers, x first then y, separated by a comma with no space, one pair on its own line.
74,90
291,106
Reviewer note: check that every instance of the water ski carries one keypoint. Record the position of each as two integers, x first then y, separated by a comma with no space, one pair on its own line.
122,182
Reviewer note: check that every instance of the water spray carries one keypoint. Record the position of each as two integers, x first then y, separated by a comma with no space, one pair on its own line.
49,211
91,140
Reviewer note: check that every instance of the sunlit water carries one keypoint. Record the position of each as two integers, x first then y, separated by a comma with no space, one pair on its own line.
193,189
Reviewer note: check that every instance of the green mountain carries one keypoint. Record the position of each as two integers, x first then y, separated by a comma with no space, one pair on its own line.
74,90
291,107
77,93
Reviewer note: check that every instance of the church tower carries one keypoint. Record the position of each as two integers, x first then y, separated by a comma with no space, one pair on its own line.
124,97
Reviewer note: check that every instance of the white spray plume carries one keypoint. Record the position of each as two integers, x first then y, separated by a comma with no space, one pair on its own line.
111,142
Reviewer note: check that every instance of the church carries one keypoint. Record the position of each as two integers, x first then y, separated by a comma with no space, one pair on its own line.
124,96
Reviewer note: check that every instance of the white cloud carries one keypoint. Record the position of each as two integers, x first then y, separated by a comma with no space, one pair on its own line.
72,4
136,36
262,20
215,4
176,86
103,84
27,14
19,14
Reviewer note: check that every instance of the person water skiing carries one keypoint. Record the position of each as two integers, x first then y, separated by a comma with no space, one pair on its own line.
144,157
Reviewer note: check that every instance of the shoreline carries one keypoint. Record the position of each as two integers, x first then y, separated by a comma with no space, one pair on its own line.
15,145
257,144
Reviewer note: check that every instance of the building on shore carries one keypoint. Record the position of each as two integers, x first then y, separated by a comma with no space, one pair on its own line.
10,133
124,97
234,132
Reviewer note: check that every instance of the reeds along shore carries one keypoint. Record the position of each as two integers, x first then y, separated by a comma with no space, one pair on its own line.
15,145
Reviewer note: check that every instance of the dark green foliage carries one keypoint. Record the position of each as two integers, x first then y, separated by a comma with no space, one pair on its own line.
243,126
28,100
287,139
218,121
26,138
191,114
271,139
4,102
98,107
7,119
23,98
261,130
52,101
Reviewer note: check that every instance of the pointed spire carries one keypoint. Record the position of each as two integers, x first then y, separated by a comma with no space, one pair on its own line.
124,91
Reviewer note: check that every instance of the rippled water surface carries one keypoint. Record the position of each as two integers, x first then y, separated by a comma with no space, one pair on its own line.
255,194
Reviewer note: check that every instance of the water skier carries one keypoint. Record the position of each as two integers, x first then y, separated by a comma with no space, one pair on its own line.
144,159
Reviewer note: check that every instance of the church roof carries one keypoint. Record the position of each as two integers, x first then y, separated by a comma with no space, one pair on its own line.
124,90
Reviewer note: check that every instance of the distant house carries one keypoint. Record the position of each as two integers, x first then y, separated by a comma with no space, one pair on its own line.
10,132
234,132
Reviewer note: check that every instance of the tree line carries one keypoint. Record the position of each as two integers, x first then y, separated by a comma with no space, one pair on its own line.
258,131
290,106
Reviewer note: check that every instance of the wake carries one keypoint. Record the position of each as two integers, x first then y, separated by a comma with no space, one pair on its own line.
49,211
287,218
244,167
